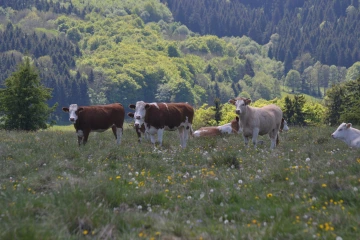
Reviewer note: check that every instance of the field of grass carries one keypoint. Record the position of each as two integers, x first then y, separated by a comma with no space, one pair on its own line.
307,188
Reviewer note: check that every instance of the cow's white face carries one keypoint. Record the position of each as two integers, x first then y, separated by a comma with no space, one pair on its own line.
240,105
139,114
285,127
342,131
73,111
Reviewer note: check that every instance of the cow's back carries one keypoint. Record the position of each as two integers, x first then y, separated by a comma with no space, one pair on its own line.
170,115
101,117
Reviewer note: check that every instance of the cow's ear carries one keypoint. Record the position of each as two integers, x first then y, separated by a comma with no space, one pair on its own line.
131,115
80,109
232,101
65,109
247,101
147,106
348,125
132,106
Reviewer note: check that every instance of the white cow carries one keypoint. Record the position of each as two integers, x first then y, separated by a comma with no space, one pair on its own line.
258,121
284,126
348,134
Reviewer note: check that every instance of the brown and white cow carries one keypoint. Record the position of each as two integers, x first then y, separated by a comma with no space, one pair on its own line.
140,130
258,121
346,133
229,128
96,118
158,117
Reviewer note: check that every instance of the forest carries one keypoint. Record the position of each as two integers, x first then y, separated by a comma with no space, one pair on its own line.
97,52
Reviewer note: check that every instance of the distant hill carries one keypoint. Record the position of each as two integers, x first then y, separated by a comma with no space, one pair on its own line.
328,30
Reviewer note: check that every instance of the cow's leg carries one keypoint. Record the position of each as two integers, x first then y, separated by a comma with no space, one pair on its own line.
119,132
152,139
246,140
80,135
187,132
182,137
273,138
160,134
255,136
86,135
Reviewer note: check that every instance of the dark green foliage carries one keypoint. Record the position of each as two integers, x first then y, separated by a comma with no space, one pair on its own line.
351,110
294,110
23,101
342,102
173,51
334,100
217,110
53,57
317,27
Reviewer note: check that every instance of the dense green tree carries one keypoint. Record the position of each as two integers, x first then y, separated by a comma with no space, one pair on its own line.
23,100
351,103
218,107
334,100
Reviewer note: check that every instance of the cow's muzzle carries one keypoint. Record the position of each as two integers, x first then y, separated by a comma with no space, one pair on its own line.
237,112
72,119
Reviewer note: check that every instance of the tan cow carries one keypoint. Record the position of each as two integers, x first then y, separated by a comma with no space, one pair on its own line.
258,121
229,128
97,118
158,117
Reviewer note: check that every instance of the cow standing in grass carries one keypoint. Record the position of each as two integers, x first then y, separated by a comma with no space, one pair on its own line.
258,121
348,134
228,128
97,118
158,117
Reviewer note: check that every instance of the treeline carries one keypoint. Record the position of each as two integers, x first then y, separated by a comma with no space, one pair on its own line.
328,30
54,57
45,6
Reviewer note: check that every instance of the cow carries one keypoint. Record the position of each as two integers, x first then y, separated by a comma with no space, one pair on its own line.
96,118
348,134
140,130
228,128
158,117
258,121
284,126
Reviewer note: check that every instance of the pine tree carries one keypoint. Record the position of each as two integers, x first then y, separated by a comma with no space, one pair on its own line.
218,106
23,100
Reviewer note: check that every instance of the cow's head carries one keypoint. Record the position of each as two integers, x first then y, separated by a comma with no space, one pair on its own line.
240,104
139,114
284,126
342,131
73,111
235,125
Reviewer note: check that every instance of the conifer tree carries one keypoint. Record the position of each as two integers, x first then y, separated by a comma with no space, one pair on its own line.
23,100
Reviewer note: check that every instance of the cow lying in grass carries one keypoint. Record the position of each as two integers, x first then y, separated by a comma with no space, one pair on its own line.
229,128
97,118
348,134
258,121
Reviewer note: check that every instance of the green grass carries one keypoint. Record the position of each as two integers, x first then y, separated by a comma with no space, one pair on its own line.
214,189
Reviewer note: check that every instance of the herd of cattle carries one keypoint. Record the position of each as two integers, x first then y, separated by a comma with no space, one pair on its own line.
153,119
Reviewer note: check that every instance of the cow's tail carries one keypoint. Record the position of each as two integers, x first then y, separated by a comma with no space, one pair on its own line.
277,139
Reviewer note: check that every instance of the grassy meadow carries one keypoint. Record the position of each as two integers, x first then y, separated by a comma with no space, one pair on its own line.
307,188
